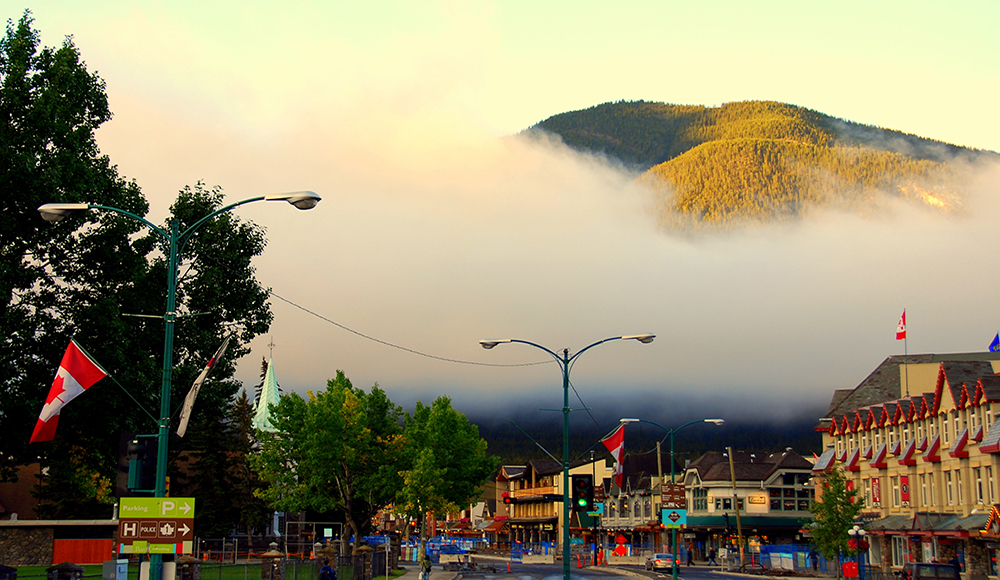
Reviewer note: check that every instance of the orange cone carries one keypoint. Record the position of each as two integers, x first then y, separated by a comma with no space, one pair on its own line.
508,567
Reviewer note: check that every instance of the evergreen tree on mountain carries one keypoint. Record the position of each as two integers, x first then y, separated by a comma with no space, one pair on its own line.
83,276
762,161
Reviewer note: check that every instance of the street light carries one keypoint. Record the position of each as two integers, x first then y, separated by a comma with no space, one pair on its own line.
54,212
565,362
670,434
857,534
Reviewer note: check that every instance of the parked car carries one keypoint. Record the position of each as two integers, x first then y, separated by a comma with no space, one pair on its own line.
929,571
660,562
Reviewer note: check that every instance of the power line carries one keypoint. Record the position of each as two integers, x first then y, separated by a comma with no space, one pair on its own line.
396,346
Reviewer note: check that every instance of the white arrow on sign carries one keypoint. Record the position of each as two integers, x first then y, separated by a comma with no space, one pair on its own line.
184,529
185,508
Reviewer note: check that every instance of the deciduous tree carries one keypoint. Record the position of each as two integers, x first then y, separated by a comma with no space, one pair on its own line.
835,510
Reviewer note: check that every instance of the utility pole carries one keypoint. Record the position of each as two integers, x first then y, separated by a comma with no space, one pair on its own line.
736,506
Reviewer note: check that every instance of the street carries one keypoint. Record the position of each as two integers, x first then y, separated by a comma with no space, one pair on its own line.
554,572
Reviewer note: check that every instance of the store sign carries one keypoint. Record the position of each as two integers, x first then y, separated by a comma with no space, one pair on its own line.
674,518
757,499
876,493
904,489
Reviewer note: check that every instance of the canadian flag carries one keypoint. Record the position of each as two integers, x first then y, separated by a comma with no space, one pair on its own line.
616,445
901,328
198,382
77,373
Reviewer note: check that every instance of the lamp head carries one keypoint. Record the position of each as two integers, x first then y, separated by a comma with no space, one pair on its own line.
643,338
488,344
624,420
715,421
53,212
300,199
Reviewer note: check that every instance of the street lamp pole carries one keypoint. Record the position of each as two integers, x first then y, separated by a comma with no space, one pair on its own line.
176,240
565,362
670,434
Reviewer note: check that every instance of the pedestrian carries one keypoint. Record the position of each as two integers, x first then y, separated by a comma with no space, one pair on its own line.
690,558
425,567
814,558
327,572
711,557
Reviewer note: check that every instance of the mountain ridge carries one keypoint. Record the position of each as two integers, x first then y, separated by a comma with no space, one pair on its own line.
763,161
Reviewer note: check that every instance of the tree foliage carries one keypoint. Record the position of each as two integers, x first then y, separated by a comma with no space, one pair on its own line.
216,472
835,510
82,277
447,462
337,451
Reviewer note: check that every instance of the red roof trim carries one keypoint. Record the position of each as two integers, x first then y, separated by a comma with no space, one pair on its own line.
977,435
931,454
852,460
942,381
958,450
907,457
977,399
879,460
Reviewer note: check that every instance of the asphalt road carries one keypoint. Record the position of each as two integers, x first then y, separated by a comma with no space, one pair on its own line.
554,572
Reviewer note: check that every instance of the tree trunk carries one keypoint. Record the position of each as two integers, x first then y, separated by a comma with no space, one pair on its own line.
423,536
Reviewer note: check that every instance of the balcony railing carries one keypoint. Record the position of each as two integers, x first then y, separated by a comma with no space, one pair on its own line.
549,489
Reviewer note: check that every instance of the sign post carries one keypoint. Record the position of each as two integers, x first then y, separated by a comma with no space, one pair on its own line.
156,525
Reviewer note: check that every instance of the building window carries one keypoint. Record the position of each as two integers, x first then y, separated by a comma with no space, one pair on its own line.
944,431
699,495
900,551
923,491
647,507
896,501
959,492
990,494
949,488
977,476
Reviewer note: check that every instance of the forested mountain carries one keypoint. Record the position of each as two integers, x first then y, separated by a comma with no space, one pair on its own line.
760,161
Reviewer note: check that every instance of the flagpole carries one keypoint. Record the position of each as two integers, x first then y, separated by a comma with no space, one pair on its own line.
906,367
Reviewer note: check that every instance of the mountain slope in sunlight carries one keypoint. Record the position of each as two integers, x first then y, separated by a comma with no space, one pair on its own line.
761,161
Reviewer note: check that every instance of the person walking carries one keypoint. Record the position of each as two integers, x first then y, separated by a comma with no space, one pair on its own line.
711,557
425,567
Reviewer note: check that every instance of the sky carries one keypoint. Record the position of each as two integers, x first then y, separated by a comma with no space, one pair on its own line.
437,229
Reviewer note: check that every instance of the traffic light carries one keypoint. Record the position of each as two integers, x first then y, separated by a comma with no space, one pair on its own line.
509,499
135,451
582,493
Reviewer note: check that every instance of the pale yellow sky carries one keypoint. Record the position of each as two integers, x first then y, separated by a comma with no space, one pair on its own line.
435,233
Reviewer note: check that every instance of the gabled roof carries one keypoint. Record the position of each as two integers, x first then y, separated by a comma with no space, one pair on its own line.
991,387
883,384
961,373
508,472
545,466
714,466
645,463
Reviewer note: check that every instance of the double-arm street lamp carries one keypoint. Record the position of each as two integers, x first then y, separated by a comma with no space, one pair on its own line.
670,434
176,240
566,363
